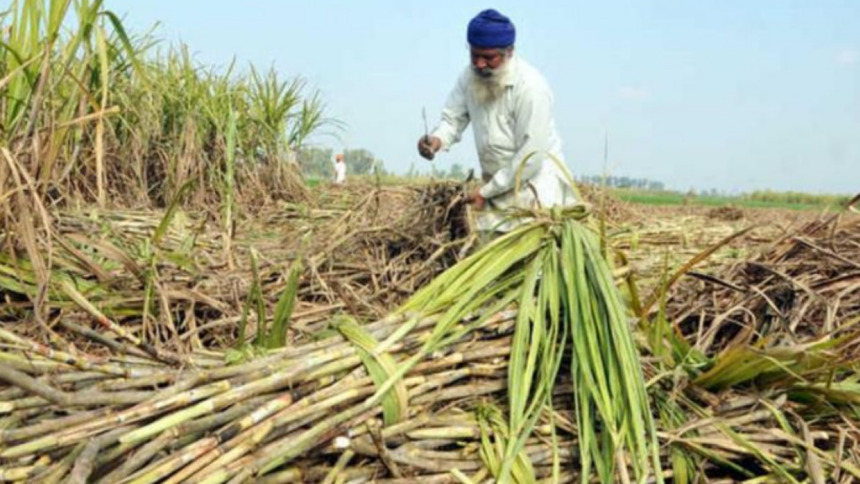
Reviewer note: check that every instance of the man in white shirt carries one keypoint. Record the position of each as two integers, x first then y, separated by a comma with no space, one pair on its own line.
339,169
509,104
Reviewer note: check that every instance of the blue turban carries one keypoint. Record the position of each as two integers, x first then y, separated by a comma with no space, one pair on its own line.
490,29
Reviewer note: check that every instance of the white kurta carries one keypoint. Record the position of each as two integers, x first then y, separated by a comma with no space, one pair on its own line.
517,125
340,172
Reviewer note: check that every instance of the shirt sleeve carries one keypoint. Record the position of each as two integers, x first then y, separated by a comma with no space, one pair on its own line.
455,116
532,132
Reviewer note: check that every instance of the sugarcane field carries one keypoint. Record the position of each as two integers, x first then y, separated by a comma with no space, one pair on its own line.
206,278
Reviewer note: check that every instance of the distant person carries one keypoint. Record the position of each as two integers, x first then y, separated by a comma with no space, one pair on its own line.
509,105
339,169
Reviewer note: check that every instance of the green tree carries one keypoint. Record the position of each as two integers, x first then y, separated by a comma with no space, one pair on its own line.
360,161
457,172
316,162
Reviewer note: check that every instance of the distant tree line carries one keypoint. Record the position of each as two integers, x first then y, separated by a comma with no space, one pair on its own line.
623,182
455,172
764,196
318,162
798,198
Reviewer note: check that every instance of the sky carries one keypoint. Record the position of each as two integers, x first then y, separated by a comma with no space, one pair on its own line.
733,95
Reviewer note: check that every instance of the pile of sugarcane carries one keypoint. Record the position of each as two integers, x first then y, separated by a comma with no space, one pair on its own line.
518,364
126,417
391,242
186,283
562,365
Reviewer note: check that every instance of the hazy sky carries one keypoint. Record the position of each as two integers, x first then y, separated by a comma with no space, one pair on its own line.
734,94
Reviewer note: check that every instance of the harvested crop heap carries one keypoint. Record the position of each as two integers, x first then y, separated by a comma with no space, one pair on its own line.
806,285
218,419
388,244
436,372
515,362
178,280
769,346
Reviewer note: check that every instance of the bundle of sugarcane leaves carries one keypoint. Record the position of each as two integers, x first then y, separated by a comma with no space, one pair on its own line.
515,365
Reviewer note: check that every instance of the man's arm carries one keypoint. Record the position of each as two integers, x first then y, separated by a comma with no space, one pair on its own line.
532,131
455,115
455,119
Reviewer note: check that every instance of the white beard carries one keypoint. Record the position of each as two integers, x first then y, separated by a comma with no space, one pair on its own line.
490,88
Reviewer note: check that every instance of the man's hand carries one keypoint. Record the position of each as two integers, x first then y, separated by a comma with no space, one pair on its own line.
428,146
477,201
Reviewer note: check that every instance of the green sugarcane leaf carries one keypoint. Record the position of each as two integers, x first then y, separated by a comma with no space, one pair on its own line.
284,308
380,367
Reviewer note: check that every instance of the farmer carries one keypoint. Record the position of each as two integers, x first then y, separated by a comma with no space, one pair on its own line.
509,104
339,169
